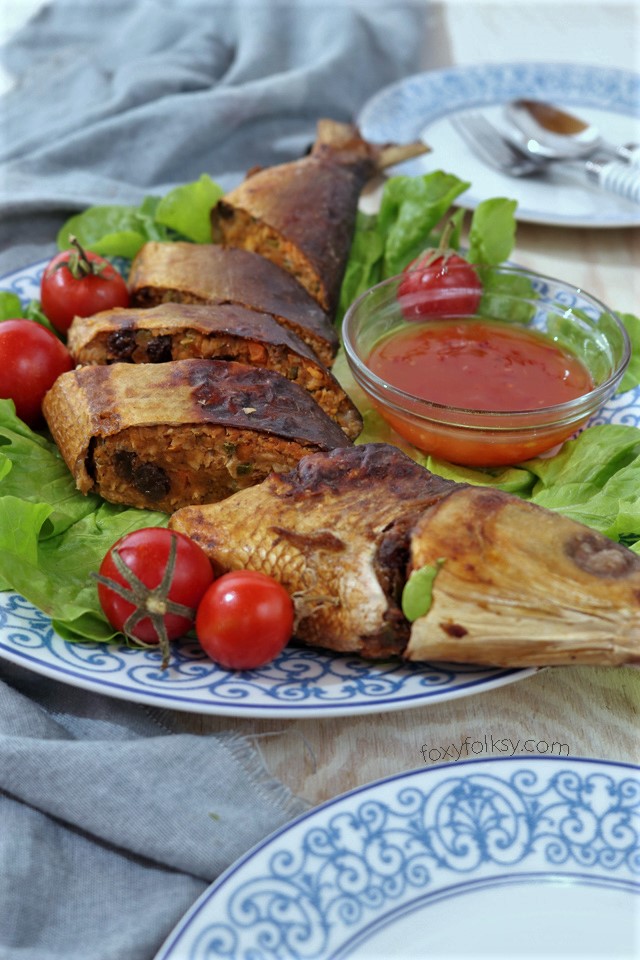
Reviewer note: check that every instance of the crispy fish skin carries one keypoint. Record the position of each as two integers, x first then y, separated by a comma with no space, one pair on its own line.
301,215
522,586
174,331
189,431
334,531
519,585
209,273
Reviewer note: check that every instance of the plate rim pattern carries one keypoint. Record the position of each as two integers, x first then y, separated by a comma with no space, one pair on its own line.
401,110
507,823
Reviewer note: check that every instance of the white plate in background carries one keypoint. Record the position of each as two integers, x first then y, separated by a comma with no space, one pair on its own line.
420,107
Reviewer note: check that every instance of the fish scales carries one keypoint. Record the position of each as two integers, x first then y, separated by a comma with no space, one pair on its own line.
345,520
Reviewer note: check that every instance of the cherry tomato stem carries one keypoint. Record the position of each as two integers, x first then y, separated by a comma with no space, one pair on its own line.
79,283
150,584
79,264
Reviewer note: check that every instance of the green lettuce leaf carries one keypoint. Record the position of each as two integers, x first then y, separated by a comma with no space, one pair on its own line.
111,231
492,231
517,480
51,536
120,231
631,377
505,296
410,220
364,266
593,479
407,222
410,209
11,309
10,306
187,209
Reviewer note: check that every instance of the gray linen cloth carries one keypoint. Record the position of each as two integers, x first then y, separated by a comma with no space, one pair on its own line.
117,99
112,822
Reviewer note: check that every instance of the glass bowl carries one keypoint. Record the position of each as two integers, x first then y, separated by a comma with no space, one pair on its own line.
577,322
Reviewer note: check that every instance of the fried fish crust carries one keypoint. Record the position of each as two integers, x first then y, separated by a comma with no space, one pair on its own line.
335,532
522,586
301,215
210,273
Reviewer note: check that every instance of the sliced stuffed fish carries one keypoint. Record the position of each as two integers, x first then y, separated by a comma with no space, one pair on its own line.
210,273
301,215
183,331
191,431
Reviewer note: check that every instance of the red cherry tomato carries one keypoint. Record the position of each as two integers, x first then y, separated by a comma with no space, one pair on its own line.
437,285
31,360
150,584
78,284
244,620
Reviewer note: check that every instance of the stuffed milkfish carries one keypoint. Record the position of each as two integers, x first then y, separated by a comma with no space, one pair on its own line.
181,331
209,273
515,584
301,215
164,435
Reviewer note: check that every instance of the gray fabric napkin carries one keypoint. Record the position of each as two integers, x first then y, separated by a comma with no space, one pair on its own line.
111,820
117,99
111,825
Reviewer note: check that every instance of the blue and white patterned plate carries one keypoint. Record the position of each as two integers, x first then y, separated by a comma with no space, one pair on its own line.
299,683
520,857
420,107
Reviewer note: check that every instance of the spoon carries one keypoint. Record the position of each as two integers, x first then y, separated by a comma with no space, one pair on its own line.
492,146
546,131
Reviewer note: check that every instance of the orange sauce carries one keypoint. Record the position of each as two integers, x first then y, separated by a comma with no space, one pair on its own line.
479,365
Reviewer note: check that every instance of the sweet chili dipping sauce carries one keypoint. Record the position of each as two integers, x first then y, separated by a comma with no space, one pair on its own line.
481,365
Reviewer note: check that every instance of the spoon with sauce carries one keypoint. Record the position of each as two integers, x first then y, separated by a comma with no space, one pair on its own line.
546,131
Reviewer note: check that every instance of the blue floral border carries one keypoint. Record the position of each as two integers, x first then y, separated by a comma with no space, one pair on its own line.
342,868
300,681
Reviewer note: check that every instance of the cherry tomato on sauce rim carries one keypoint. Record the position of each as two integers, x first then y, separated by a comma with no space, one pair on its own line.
437,285
244,620
79,283
150,583
31,360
